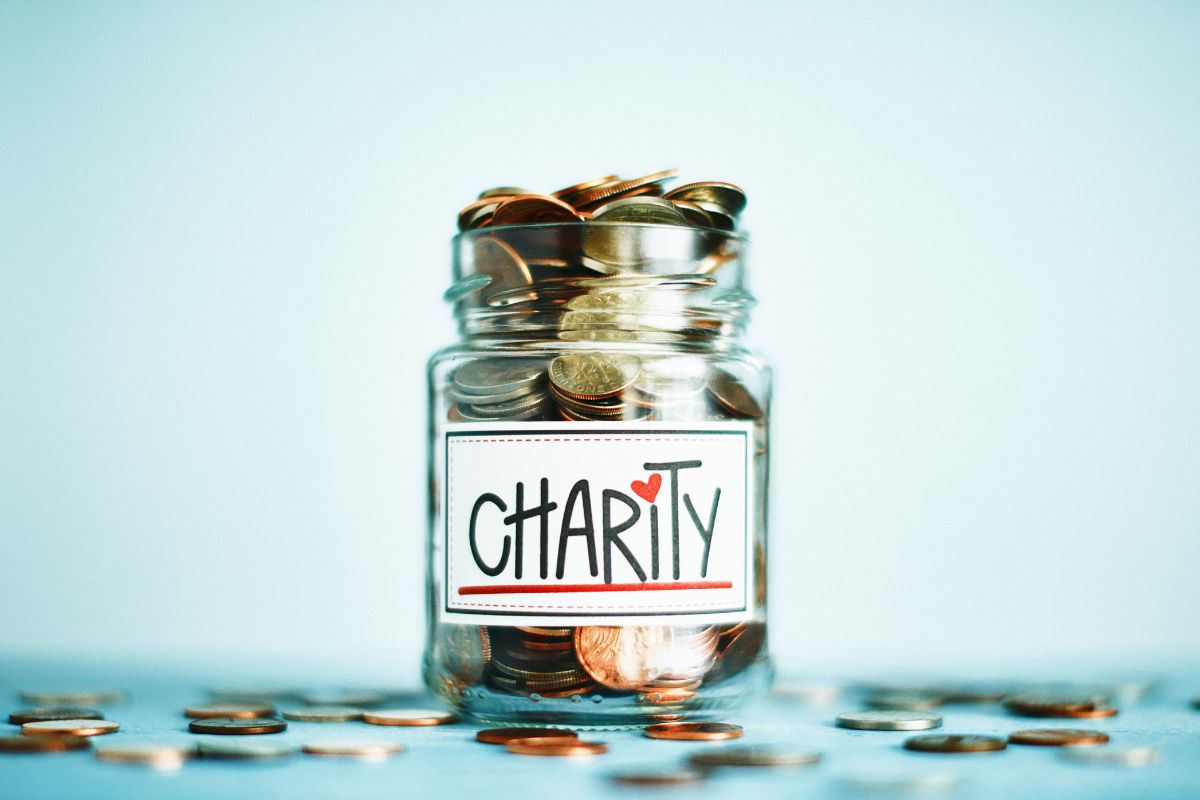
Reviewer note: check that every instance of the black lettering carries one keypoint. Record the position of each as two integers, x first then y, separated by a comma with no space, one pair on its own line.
489,571
580,489
612,533
520,514
705,533
673,467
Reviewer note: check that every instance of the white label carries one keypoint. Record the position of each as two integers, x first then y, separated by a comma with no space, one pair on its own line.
560,524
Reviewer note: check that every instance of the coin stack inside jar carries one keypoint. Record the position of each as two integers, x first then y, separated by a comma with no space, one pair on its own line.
649,274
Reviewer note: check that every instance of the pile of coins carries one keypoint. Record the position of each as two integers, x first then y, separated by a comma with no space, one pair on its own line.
660,664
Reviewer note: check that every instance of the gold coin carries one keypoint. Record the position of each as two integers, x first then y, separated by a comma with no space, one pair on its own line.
235,710
230,726
954,743
159,756
593,376
555,746
353,748
641,210
502,735
589,199
756,756
1058,737
70,727
324,714
567,193
532,209
408,717
43,744
48,714
694,731
85,698
728,197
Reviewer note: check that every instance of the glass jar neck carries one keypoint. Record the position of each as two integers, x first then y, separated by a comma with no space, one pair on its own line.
612,284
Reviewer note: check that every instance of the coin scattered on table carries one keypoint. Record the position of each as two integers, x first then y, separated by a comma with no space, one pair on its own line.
693,731
904,701
1112,756
106,697
159,756
52,714
408,717
367,749
954,743
502,735
244,751
1068,706
70,727
889,720
667,777
555,746
754,756
324,714
43,744
242,710
236,726
1058,737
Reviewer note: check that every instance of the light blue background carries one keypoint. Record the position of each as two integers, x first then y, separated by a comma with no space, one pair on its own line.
224,235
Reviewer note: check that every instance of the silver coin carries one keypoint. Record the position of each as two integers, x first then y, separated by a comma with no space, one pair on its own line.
496,397
888,720
324,714
903,701
496,376
252,751
1112,756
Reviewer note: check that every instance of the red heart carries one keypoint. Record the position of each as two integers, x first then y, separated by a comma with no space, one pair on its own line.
647,490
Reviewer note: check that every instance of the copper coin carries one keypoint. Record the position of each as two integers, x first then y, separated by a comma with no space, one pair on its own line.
677,777
591,198
49,714
234,710
756,756
532,209
732,396
476,212
70,727
954,743
408,717
230,726
1043,704
554,746
43,744
693,731
503,735
568,193
159,756
1058,737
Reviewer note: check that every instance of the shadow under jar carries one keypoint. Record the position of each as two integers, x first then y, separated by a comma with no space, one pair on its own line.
598,479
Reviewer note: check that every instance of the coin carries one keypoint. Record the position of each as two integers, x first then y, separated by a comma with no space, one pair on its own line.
478,211
732,396
369,749
408,717
590,198
105,697
888,720
1058,737
555,746
70,727
1052,704
593,376
502,191
954,743
669,777
243,751
695,731
43,744
641,657
324,714
159,756
502,735
903,701
1112,756
493,377
235,710
533,209
230,726
640,210
754,756
726,196
48,714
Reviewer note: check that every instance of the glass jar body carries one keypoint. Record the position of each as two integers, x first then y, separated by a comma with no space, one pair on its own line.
642,666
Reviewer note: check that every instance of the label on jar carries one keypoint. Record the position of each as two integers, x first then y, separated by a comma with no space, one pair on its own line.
559,524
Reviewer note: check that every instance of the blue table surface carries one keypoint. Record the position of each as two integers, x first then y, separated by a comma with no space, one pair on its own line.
445,761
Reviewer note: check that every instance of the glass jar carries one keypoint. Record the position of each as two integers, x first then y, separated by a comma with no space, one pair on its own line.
598,478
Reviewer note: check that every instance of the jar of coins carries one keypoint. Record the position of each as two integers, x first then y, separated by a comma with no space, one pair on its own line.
598,460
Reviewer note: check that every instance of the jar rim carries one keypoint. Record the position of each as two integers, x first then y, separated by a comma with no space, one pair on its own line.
736,236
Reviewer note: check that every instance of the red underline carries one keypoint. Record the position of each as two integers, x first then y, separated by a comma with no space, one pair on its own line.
516,588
